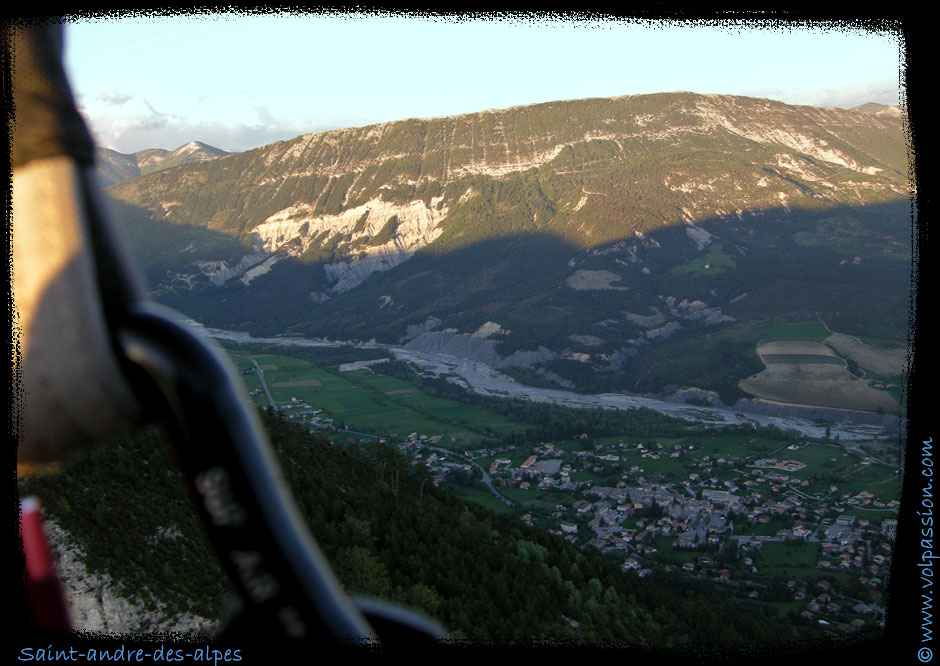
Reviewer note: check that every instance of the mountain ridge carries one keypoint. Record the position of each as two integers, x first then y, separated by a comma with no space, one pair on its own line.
327,221
671,203
115,167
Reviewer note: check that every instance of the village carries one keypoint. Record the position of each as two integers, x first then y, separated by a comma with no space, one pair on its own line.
719,528
767,525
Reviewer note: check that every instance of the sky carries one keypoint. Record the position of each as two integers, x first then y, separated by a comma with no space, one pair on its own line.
239,81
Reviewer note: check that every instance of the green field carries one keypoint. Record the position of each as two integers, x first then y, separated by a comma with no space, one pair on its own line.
484,497
363,400
817,457
712,263
803,331
780,556
731,447
802,359
668,555
899,393
537,499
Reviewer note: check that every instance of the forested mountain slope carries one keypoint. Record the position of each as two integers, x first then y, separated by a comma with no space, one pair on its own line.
390,533
586,241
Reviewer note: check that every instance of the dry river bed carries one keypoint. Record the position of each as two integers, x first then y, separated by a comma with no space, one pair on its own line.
485,380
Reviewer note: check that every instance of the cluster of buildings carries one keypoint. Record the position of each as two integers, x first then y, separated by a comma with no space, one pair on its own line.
299,411
715,503
758,501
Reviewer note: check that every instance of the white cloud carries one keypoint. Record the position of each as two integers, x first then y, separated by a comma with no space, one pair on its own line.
113,98
128,123
128,134
882,92
264,115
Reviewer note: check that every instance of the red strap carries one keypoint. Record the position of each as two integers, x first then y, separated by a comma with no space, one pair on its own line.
48,608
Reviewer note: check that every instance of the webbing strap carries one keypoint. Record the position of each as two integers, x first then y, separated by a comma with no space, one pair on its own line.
230,470
174,375
286,586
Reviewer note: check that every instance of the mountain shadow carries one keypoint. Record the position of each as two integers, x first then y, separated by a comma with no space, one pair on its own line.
683,306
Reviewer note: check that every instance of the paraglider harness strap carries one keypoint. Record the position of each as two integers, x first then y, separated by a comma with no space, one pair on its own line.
278,572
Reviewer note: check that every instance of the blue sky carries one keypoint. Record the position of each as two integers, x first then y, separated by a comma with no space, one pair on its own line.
239,81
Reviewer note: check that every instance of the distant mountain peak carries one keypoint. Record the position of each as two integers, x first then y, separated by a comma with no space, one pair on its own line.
875,109
199,146
114,167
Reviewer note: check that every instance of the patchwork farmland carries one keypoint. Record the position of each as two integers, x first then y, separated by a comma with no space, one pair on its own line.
806,364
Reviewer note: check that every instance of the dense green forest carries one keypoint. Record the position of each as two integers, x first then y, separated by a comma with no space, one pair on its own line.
389,533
